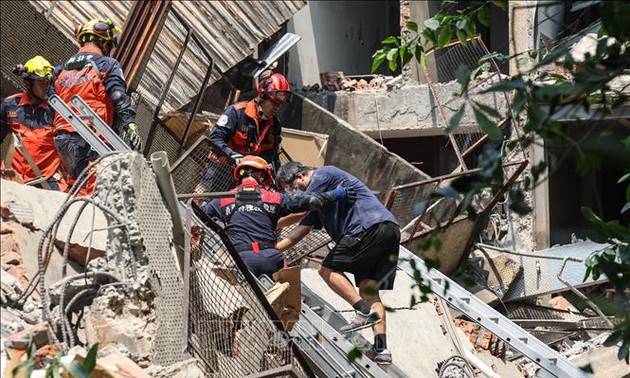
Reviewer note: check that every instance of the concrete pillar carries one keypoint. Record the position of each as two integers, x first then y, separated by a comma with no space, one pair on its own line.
303,64
523,37
419,11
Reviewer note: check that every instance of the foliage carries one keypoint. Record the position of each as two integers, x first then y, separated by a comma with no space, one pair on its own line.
55,368
540,99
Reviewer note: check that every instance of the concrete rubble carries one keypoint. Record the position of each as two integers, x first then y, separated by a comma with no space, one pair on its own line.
121,316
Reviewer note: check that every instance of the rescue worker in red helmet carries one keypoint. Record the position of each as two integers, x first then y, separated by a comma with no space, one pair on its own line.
251,217
251,128
98,79
27,114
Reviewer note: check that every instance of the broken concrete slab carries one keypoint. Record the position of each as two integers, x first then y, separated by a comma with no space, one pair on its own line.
46,203
411,331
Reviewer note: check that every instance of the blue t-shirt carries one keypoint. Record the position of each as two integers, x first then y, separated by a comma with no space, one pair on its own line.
340,218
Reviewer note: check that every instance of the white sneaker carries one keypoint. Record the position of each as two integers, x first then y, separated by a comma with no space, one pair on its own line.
360,321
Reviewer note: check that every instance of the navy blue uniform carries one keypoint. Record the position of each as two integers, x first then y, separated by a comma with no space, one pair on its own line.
240,130
251,224
366,234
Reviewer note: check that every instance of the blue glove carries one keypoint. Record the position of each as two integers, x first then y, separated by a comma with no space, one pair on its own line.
347,194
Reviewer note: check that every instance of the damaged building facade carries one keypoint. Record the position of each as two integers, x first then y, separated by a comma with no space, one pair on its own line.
68,261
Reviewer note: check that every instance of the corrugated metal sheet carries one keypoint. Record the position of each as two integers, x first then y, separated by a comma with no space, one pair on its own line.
229,30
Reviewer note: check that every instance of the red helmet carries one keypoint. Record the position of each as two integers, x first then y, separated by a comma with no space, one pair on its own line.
274,86
256,167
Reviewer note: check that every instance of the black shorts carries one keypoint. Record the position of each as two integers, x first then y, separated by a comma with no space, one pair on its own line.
372,254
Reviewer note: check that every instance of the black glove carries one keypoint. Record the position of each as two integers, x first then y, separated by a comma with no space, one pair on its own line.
130,135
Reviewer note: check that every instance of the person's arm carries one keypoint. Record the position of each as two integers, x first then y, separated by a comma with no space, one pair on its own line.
290,219
224,130
312,201
294,236
116,87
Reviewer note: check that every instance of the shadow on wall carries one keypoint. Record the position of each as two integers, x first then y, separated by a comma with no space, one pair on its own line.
349,149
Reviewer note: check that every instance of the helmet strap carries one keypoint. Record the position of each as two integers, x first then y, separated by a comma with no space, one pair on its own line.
261,114
35,99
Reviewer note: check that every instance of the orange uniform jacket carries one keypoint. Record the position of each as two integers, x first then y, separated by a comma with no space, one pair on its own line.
34,125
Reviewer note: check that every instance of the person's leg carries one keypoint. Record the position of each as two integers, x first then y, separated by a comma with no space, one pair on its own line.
74,153
368,290
340,284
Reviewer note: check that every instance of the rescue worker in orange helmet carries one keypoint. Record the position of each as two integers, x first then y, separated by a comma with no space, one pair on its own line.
251,128
251,217
98,79
27,114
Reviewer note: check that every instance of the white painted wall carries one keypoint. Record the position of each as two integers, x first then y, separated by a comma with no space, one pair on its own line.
339,36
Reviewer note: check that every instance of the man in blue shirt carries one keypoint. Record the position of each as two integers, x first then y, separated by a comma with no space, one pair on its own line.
251,217
367,238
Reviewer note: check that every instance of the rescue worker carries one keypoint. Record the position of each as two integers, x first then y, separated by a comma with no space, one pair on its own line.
249,128
367,238
27,114
250,218
98,79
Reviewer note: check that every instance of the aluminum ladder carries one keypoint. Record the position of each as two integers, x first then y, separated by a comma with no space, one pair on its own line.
551,362
114,142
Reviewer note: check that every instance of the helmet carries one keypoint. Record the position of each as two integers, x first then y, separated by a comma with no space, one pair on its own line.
98,30
36,68
274,86
256,167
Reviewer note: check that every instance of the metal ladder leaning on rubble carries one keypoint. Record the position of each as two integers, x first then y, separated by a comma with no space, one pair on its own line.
317,335
552,364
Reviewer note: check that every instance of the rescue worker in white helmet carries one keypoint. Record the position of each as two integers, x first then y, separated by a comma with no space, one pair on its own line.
98,79
27,114
251,217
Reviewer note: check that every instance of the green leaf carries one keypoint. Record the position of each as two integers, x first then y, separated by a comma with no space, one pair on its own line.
461,36
391,40
378,60
587,368
492,112
422,58
453,123
412,26
445,35
90,360
486,125
432,23
590,216
392,56
463,76
461,24
77,370
503,4
354,354
484,16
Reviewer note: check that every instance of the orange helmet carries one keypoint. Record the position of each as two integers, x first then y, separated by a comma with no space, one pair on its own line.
274,86
256,167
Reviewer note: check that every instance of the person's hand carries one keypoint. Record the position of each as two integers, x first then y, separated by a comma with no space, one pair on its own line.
131,136
237,158
347,194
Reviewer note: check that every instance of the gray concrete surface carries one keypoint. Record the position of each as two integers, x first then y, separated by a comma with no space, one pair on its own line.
415,334
350,149
46,203
404,111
